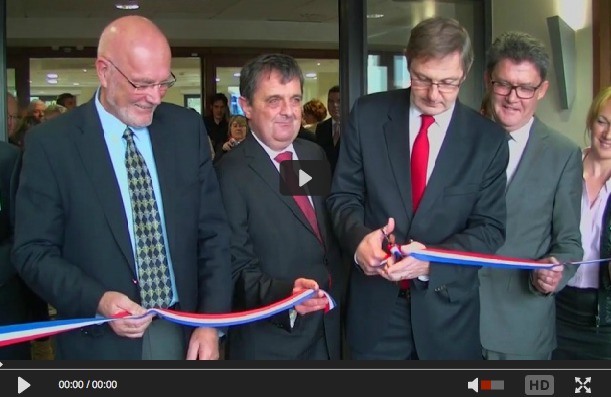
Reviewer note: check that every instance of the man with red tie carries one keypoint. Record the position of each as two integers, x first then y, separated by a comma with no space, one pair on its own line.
421,167
281,244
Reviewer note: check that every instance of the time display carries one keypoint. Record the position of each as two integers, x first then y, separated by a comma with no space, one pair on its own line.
87,384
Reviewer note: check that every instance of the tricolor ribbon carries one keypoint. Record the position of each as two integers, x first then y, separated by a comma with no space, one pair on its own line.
11,334
471,259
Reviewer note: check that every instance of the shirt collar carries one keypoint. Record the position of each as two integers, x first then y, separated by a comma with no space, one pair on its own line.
442,119
521,134
271,152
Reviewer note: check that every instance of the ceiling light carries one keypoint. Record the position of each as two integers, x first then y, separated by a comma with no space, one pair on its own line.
317,63
236,74
128,5
52,75
52,81
84,70
76,83
375,16
310,75
217,79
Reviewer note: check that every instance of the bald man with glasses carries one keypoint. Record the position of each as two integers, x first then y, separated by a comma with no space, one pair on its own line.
119,210
544,184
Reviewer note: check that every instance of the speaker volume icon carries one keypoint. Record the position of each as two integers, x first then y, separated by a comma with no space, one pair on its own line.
476,385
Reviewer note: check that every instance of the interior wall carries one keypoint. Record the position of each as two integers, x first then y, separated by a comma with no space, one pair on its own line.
530,17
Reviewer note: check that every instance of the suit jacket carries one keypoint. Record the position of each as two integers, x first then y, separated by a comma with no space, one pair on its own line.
272,245
463,208
324,137
14,295
71,238
543,215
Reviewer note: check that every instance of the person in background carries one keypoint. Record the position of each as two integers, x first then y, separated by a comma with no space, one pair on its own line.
36,109
583,307
328,132
53,111
216,121
118,210
238,129
419,166
281,243
66,100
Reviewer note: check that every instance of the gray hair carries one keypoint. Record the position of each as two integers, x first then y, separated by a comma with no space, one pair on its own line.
519,47
253,71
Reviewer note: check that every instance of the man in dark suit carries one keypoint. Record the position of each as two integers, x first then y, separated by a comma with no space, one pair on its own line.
280,244
14,308
328,133
119,210
430,172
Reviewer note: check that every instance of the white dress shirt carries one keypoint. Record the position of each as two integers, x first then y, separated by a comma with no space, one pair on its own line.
517,144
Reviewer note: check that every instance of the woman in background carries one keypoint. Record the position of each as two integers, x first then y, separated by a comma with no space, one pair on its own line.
238,128
583,307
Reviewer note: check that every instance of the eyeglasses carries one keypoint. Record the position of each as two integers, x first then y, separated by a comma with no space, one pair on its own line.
522,91
444,87
163,86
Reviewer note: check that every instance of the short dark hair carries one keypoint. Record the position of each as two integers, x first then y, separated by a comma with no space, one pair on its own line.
253,70
438,37
219,96
335,88
61,98
519,47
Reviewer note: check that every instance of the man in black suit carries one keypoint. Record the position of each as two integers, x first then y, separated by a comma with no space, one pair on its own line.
430,172
14,296
280,244
119,210
328,133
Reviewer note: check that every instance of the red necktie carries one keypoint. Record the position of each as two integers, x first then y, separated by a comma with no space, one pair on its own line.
419,165
420,160
302,201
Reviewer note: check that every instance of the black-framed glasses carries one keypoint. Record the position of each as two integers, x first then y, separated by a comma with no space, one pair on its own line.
164,85
522,91
443,86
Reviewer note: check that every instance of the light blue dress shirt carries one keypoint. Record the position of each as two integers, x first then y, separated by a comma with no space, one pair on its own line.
117,146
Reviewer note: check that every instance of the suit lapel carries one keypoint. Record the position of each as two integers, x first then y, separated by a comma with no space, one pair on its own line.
262,165
532,152
92,148
396,135
451,153
165,152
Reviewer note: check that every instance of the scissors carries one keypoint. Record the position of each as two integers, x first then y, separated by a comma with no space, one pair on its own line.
392,247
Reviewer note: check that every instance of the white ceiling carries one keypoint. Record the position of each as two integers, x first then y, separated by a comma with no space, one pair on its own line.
202,23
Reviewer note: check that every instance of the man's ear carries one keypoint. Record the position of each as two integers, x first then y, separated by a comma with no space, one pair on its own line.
246,107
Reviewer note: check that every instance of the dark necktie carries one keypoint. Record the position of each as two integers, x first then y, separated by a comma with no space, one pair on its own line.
419,165
151,254
302,201
336,133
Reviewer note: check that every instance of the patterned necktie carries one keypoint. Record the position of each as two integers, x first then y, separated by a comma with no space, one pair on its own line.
151,256
302,201
420,161
336,132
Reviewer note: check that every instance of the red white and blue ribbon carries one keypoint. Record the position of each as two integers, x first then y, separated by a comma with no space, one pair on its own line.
11,334
483,260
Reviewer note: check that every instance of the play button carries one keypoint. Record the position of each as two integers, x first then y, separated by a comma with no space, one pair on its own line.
303,178
22,385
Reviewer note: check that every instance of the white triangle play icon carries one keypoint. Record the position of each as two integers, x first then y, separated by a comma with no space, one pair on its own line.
22,385
303,178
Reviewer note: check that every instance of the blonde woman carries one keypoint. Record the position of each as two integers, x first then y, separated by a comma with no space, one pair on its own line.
583,307
238,129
